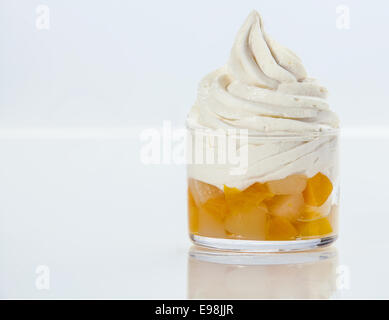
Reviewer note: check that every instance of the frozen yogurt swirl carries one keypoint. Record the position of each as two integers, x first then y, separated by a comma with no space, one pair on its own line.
263,87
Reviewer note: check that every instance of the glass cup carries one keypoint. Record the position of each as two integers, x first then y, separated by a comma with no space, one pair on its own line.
264,193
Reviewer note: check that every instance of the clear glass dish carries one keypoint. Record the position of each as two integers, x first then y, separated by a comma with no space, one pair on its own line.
262,193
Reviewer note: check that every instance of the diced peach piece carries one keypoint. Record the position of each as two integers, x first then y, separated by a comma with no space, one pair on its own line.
202,191
287,206
313,213
318,189
279,228
207,201
231,193
253,195
314,228
211,218
309,215
193,214
217,207
246,218
292,184
259,191
247,223
236,200
241,201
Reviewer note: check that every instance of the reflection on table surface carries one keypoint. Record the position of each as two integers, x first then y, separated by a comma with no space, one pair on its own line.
229,275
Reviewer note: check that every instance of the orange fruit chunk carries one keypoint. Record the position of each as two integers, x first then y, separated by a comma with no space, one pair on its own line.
231,193
318,189
292,184
193,214
287,206
202,191
260,190
236,200
252,196
314,228
280,228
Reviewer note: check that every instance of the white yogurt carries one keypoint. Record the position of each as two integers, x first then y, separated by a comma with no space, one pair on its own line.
264,88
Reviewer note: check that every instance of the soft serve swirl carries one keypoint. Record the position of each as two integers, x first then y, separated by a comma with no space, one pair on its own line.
264,88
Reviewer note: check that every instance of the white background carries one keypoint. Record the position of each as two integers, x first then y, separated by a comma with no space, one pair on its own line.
74,195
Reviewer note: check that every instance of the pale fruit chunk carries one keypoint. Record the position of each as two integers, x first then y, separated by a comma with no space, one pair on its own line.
207,209
246,217
211,218
318,189
287,206
279,228
202,191
248,223
312,213
217,207
193,214
293,184
211,224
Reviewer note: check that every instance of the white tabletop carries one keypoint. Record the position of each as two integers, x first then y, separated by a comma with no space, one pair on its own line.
82,217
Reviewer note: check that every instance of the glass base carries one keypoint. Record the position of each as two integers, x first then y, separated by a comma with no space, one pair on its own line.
261,246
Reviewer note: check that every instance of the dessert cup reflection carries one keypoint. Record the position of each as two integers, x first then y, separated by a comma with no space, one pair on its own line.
228,275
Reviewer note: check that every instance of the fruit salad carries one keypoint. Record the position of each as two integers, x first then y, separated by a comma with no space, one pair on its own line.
293,208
